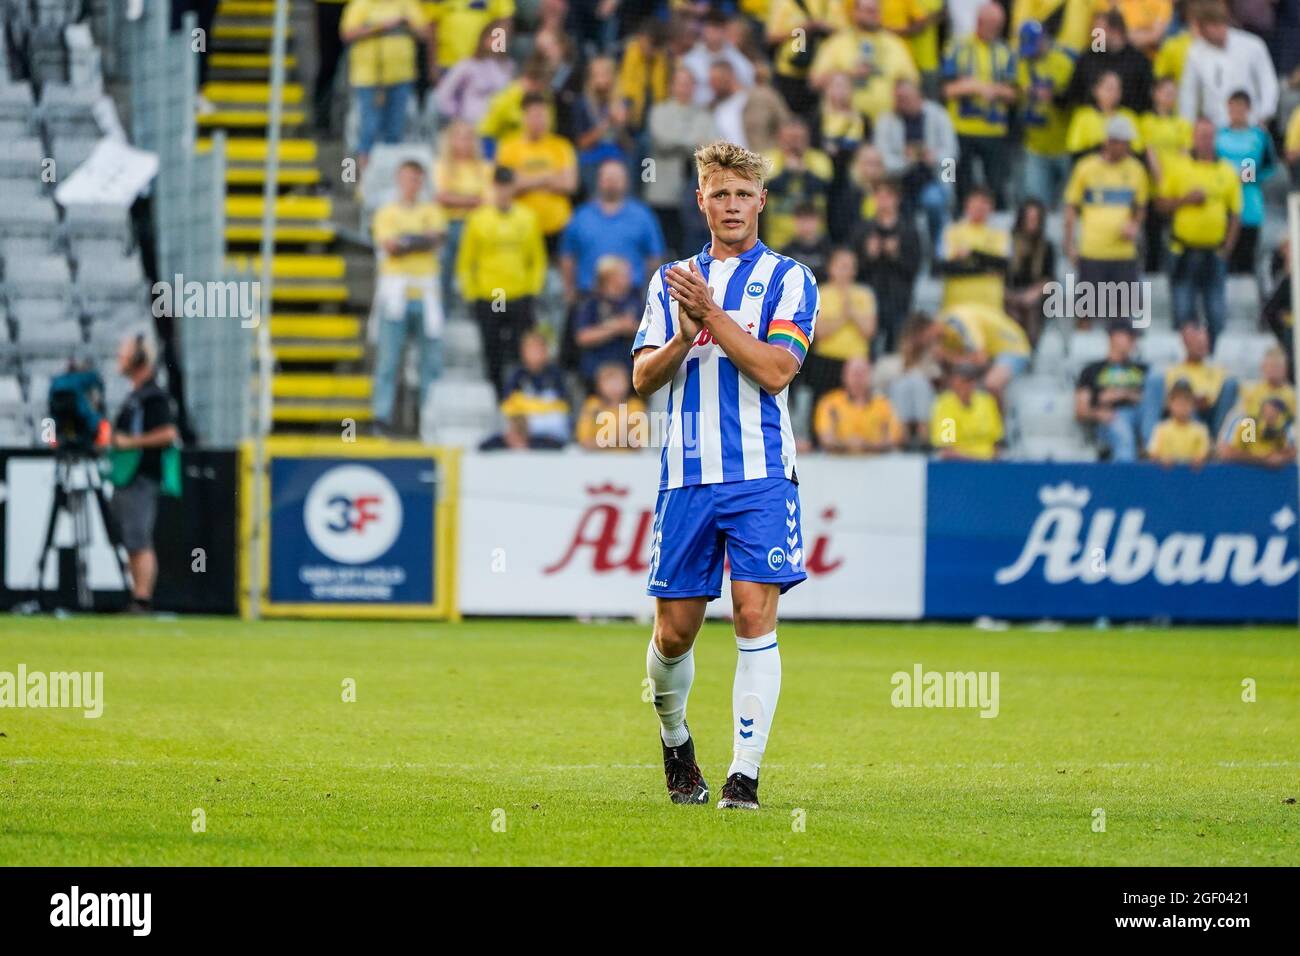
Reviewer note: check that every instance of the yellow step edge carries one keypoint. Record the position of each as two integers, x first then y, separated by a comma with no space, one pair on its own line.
293,266
320,385
285,177
249,118
246,31
286,207
323,326
259,93
254,150
247,61
282,233
321,413
342,352
246,8
315,292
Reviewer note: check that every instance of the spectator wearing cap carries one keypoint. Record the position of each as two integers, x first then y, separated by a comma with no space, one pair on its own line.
606,321
1202,195
915,140
792,53
1115,54
610,223
381,37
1214,391
1222,60
1108,394
501,266
677,126
1180,439
1267,438
973,254
1043,73
979,83
545,167
1089,124
855,419
714,45
1106,201
965,422
873,57
408,296
1246,147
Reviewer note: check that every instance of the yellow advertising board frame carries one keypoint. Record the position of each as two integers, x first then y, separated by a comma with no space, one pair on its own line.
445,532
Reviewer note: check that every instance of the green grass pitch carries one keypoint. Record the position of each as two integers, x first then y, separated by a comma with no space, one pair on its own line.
527,742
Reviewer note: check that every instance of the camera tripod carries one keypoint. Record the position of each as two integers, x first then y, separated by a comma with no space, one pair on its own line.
75,499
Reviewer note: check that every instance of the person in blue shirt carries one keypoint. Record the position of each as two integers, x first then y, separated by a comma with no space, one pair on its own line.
611,223
1250,149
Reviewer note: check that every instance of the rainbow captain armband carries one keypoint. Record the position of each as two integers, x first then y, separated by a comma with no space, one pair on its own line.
788,336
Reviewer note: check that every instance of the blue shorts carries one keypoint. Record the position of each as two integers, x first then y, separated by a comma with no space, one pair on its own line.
758,522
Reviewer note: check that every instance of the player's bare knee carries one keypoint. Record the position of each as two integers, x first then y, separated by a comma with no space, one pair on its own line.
754,619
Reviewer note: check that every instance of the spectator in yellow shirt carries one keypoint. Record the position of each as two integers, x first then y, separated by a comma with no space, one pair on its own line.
984,337
613,419
979,83
1167,136
965,423
545,167
457,25
1291,145
973,254
846,324
501,266
1214,392
408,299
856,419
462,181
871,55
793,52
1273,384
1106,199
1202,194
381,37
1180,439
1043,73
1267,438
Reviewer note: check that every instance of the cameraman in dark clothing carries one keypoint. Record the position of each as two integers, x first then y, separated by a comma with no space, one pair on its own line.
145,424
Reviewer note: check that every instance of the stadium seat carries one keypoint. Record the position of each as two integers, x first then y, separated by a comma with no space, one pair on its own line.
21,216
1242,353
1050,353
16,102
1041,405
1243,301
1084,346
1053,448
70,152
96,221
1160,347
21,158
459,406
47,277
463,345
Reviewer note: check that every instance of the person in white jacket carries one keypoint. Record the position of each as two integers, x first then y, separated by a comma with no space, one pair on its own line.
1221,61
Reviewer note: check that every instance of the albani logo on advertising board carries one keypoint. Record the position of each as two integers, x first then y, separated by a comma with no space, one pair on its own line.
352,514
601,533
1072,551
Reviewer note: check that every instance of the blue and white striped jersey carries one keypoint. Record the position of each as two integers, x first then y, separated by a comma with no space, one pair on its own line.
721,425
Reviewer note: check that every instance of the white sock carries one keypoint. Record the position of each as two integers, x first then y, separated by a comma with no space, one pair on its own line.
671,679
753,700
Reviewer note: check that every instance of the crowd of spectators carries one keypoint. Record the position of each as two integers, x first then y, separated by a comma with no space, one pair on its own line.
907,138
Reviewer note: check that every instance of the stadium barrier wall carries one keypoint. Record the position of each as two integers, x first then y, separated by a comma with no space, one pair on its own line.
195,540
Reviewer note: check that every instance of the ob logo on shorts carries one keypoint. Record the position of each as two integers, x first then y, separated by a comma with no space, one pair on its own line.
352,514
776,559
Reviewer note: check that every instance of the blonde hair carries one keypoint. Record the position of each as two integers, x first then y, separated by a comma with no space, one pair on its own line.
723,156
